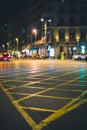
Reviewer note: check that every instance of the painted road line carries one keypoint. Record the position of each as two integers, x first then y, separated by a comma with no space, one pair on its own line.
69,107
58,114
28,119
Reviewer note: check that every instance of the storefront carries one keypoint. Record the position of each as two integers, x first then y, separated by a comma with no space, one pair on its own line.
72,50
82,47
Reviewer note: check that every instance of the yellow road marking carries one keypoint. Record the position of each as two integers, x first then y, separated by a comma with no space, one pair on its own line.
39,109
58,113
24,114
56,97
40,92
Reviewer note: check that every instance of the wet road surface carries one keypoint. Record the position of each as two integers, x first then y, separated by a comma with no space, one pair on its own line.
43,94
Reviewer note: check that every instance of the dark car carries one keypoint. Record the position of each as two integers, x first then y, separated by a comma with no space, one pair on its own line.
5,57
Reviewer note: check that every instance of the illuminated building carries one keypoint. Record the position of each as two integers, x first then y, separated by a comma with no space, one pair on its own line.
68,24
66,32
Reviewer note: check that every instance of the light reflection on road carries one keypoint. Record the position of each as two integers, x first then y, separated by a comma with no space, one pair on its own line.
32,85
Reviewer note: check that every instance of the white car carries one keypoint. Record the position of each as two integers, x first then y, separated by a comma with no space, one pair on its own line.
79,57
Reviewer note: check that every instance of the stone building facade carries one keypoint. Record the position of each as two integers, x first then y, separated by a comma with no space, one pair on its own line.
64,27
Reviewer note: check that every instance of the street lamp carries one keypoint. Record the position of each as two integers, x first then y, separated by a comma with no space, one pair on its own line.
35,33
42,29
17,43
45,28
8,46
3,47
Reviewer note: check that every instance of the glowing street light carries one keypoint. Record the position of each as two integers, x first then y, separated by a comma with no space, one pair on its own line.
8,46
35,33
45,28
17,42
42,29
3,47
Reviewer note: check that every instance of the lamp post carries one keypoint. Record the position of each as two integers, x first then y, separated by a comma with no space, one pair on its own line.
42,29
45,31
45,28
35,33
3,47
7,46
17,42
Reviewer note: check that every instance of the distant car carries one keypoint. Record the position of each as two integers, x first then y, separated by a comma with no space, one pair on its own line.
5,57
79,57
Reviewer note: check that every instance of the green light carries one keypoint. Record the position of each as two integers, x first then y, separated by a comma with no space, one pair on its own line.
82,72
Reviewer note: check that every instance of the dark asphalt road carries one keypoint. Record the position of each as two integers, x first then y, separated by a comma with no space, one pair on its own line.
75,120
51,95
10,118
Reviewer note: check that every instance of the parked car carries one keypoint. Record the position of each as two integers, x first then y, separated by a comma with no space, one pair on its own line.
79,57
5,57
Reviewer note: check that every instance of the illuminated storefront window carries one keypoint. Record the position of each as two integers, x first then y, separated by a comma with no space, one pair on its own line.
82,47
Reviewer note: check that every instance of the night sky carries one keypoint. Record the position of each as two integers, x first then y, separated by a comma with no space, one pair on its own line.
11,8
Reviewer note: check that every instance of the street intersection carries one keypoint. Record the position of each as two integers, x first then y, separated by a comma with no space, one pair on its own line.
45,91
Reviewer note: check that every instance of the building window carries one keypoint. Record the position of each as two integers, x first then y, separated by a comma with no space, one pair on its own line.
72,34
62,34
83,34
